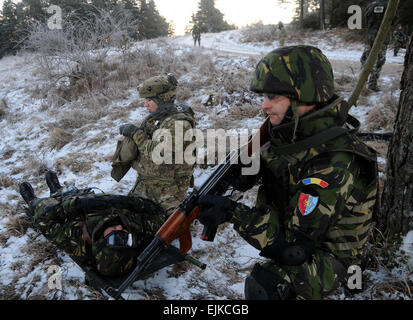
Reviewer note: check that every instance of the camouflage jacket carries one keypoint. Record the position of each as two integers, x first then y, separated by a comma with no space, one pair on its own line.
165,182
374,15
399,36
322,195
73,229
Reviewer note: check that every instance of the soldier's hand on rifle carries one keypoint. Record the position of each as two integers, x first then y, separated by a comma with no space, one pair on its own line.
243,182
215,210
128,130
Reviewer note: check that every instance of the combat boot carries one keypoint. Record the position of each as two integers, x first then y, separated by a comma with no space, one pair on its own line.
52,182
27,192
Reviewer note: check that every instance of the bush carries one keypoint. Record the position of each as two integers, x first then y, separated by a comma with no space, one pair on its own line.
312,21
258,32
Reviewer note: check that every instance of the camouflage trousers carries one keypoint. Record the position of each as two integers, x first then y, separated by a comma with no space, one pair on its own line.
381,60
197,39
312,280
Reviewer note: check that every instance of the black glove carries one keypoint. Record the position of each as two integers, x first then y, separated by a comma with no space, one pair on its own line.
128,130
243,182
215,210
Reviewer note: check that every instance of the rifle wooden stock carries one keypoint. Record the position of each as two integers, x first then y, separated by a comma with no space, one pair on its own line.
177,227
178,224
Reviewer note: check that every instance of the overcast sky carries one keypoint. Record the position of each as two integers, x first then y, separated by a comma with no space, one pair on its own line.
239,12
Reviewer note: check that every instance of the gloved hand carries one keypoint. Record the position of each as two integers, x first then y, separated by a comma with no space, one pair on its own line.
128,130
215,210
243,182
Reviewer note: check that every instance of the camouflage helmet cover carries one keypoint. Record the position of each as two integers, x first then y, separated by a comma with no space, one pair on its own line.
163,87
113,261
301,73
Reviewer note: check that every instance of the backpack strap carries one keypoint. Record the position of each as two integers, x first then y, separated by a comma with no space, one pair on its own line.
319,138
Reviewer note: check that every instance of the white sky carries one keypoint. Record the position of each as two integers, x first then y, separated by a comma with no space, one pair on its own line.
239,12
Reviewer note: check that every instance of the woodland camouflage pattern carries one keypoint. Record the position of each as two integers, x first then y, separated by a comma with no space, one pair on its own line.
61,221
302,73
374,15
321,197
340,223
400,40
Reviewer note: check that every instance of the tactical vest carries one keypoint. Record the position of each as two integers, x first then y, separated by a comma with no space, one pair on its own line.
285,163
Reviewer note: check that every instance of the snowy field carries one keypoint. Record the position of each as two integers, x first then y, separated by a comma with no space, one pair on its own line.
27,125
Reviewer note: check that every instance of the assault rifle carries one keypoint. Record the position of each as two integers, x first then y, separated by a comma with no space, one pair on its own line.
178,224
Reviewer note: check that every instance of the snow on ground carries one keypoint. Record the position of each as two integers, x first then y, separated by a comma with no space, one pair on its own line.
26,130
231,41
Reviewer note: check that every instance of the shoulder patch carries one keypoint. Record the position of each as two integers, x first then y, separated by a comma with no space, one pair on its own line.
315,181
307,203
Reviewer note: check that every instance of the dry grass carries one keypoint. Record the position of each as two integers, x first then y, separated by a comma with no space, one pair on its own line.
3,108
59,138
258,32
75,162
17,226
380,118
7,182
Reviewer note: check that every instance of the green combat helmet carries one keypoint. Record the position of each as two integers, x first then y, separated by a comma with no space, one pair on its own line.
301,73
162,87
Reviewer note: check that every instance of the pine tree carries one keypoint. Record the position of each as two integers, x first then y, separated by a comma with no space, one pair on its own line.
8,27
209,18
152,24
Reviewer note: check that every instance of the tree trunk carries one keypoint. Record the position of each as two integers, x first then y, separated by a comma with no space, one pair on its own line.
322,15
301,13
396,215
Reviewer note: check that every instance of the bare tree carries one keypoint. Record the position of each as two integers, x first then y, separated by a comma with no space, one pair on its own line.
81,47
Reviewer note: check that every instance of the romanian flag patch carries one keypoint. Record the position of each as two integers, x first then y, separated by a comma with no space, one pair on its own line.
307,203
315,181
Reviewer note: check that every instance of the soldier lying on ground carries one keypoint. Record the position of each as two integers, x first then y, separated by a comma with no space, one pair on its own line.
102,231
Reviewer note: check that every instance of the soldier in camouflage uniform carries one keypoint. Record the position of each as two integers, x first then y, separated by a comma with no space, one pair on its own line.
166,183
374,15
196,35
400,39
318,183
102,231
283,34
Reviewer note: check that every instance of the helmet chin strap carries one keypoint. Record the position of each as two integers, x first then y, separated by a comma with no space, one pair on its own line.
292,114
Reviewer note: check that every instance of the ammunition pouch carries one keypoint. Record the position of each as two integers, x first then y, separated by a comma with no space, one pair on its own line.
126,152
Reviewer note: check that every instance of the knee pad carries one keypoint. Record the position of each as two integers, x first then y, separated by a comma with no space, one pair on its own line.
262,284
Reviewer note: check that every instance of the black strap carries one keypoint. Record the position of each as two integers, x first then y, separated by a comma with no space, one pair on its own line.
319,138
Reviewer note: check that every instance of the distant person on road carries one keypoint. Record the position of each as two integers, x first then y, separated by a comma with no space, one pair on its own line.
283,34
374,15
196,34
400,39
